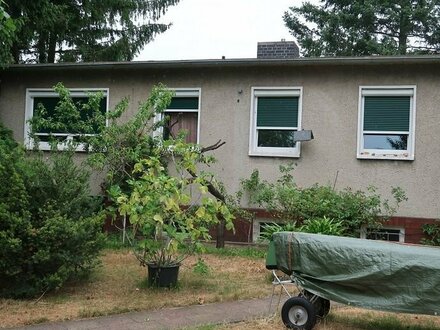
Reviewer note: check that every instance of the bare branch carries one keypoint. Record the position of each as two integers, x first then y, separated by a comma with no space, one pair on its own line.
214,146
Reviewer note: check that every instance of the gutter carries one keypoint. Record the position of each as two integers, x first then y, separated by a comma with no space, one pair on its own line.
240,62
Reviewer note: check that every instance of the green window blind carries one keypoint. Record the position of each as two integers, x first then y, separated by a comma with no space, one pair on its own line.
277,111
184,103
386,113
50,104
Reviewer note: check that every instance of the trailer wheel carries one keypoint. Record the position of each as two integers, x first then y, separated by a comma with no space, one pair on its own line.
322,305
298,313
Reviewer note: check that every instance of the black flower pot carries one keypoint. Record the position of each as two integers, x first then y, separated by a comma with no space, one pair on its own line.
163,276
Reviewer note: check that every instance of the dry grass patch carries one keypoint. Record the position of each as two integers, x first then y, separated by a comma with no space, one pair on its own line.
348,318
119,286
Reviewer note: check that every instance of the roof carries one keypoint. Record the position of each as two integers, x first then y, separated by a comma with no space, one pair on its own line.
239,62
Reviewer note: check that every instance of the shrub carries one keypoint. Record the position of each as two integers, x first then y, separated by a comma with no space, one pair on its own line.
324,226
432,231
290,203
271,228
49,228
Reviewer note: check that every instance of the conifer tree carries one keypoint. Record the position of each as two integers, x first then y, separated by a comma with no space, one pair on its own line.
366,27
85,30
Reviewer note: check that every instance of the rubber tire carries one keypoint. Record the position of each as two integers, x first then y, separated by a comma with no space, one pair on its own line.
322,305
305,305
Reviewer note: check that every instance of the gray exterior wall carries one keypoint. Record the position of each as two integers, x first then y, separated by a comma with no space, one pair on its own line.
330,109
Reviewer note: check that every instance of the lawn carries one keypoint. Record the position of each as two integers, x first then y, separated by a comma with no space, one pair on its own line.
119,286
346,318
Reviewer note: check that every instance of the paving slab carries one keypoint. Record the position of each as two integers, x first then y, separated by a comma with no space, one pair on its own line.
168,318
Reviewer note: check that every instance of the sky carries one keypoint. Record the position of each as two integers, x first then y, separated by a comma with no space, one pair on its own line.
210,29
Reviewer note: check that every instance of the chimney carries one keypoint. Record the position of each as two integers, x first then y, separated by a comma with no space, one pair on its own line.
277,49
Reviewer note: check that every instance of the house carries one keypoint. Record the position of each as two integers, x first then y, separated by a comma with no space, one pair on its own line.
374,119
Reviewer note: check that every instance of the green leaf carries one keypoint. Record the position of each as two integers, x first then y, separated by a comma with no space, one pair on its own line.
201,211
158,218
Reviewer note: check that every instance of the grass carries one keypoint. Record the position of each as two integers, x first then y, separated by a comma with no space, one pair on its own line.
348,318
119,286
245,252
114,242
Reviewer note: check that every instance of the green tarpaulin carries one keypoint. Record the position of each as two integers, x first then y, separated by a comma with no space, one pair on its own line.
364,273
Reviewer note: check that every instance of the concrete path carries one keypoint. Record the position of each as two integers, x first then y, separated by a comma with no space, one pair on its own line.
170,318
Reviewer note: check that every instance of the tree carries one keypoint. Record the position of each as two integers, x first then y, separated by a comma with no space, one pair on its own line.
366,27
85,30
118,147
7,33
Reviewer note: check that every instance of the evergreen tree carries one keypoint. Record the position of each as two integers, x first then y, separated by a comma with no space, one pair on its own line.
85,30
7,33
366,27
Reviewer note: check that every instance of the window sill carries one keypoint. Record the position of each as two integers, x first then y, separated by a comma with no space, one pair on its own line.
43,146
385,156
295,154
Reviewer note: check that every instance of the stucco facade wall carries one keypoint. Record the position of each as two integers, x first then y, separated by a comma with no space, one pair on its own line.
330,109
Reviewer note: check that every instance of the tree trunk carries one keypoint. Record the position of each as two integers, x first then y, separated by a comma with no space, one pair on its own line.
51,49
220,243
41,49
15,53
404,28
15,49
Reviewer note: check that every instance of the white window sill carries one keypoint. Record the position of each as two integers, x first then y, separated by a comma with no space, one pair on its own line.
44,146
295,154
385,156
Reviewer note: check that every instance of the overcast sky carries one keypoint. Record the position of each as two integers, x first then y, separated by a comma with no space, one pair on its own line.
210,29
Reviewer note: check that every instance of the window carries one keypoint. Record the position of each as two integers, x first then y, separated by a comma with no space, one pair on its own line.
386,122
275,116
183,115
260,227
47,99
384,234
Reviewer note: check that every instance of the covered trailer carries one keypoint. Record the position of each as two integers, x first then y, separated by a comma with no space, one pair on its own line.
358,272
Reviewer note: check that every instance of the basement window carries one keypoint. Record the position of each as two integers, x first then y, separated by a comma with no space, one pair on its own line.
384,234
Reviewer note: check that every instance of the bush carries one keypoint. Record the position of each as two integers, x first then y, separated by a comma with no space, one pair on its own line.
348,208
50,230
324,226
432,231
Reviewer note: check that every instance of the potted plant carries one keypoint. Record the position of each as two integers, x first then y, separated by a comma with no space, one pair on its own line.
170,213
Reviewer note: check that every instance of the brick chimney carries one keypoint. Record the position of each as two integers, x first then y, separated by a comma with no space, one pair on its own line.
277,49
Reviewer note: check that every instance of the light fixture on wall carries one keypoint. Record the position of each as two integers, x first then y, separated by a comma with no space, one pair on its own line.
303,135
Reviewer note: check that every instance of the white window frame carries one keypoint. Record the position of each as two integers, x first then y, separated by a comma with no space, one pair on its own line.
254,149
364,231
256,226
31,93
182,92
406,90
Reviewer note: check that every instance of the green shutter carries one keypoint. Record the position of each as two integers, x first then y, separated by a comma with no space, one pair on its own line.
277,111
386,113
184,103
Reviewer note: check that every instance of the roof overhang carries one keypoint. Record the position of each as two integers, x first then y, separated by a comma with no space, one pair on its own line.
240,62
